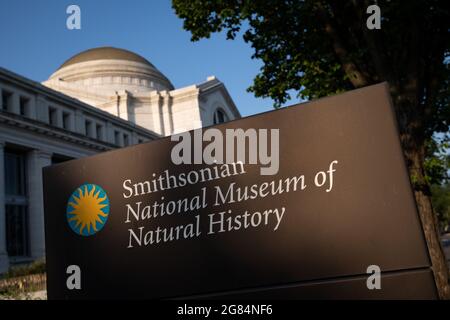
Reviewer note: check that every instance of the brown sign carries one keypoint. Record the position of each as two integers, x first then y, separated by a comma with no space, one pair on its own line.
132,224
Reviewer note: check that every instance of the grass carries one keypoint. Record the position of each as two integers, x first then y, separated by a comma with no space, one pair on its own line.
36,267
19,282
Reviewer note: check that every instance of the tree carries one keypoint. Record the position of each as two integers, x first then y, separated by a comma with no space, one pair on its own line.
437,161
318,48
441,203
437,166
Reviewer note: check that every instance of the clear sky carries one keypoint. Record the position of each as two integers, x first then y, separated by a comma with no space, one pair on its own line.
35,42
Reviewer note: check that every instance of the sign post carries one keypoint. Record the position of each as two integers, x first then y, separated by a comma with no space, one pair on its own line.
318,206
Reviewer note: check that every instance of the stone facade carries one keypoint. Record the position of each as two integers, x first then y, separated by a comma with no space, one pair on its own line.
106,99
128,86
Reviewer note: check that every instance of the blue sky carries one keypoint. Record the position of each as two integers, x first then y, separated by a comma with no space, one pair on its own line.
35,42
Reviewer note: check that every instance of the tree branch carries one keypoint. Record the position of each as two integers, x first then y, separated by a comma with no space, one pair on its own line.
356,77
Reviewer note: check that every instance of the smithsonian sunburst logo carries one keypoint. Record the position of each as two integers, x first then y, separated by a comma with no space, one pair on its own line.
87,209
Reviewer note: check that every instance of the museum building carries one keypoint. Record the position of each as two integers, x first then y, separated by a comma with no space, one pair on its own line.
98,100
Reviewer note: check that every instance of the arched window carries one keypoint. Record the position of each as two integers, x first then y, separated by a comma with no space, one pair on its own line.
220,116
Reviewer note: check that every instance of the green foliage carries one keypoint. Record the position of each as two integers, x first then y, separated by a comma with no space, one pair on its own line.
21,281
317,47
35,267
321,47
437,164
438,175
285,36
441,204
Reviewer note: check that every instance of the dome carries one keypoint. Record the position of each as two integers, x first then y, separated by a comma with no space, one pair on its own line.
105,53
111,69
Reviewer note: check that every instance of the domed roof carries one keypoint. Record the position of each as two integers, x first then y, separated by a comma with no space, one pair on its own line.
111,69
105,53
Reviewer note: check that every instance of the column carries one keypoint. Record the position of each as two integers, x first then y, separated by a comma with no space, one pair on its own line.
169,116
109,132
36,160
59,118
42,109
91,129
14,106
166,113
4,260
134,138
161,115
79,122
32,112
121,140
123,111
155,106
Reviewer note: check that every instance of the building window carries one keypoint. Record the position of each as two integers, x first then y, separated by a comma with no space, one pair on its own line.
14,173
99,131
116,137
16,204
52,116
6,98
126,140
67,121
24,106
220,116
88,128
16,230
